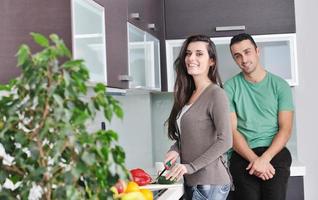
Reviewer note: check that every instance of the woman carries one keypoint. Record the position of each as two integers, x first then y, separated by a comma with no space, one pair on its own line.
199,122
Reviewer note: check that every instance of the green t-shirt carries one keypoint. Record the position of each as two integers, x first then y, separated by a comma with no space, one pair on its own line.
257,105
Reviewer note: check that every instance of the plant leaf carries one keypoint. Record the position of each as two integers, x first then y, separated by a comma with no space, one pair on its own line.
23,54
40,39
100,88
118,111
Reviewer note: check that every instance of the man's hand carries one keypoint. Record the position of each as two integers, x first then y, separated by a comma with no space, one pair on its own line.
262,168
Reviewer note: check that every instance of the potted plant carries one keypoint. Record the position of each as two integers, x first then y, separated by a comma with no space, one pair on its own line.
46,151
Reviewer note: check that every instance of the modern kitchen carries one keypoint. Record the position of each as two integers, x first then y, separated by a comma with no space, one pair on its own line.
131,46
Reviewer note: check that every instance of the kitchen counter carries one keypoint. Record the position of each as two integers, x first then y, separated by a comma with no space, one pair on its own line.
175,191
166,192
297,169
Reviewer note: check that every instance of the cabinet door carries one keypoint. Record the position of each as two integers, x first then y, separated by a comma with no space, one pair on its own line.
150,14
137,13
184,17
137,57
117,45
144,59
278,56
19,18
89,38
153,58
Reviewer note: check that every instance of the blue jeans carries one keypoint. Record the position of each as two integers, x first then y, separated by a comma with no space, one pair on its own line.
208,192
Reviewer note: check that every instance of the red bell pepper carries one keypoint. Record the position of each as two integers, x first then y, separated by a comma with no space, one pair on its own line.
140,176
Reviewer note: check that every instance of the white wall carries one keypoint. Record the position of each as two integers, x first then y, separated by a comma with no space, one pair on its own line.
306,98
134,130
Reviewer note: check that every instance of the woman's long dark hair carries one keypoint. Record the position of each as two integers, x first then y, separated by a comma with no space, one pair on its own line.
184,85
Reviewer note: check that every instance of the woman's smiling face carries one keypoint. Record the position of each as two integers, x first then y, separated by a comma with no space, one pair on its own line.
197,59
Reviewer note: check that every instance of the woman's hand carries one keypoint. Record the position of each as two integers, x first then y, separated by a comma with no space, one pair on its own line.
177,172
171,156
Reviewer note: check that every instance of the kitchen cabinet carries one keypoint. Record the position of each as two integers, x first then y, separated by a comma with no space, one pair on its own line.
147,15
295,189
278,56
19,18
143,59
89,38
48,17
227,18
116,41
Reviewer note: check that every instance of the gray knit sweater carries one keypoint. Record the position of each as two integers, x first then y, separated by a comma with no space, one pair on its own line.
205,138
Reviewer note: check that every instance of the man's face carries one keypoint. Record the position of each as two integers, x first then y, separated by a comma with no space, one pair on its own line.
246,56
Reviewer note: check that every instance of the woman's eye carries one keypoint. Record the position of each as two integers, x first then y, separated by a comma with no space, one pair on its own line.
199,54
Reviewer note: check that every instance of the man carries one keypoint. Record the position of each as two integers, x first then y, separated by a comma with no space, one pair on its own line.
261,115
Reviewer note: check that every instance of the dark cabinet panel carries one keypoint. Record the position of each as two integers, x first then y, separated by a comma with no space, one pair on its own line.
19,18
150,16
151,20
116,41
137,13
295,189
184,17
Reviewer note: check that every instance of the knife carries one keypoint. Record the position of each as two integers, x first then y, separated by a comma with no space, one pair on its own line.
163,171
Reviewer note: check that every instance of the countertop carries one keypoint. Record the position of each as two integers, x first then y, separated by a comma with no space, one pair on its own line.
297,169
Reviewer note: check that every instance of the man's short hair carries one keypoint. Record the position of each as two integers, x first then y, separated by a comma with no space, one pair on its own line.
240,37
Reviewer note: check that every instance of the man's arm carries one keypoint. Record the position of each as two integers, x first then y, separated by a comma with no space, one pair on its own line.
285,123
239,143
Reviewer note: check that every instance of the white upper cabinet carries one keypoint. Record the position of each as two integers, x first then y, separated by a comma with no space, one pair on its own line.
88,34
278,56
143,60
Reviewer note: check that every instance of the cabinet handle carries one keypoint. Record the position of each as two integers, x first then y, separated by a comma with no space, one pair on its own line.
151,26
135,16
125,78
229,28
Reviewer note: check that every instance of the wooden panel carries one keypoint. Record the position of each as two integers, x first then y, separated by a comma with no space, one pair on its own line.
295,189
183,18
116,41
19,18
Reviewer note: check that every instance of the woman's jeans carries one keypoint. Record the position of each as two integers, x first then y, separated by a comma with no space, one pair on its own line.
207,192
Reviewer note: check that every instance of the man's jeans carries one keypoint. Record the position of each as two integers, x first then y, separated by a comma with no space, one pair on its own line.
207,192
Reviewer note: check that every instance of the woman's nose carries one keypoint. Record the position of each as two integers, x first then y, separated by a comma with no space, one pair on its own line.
192,57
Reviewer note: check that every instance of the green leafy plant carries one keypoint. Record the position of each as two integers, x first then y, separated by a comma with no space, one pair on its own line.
46,151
